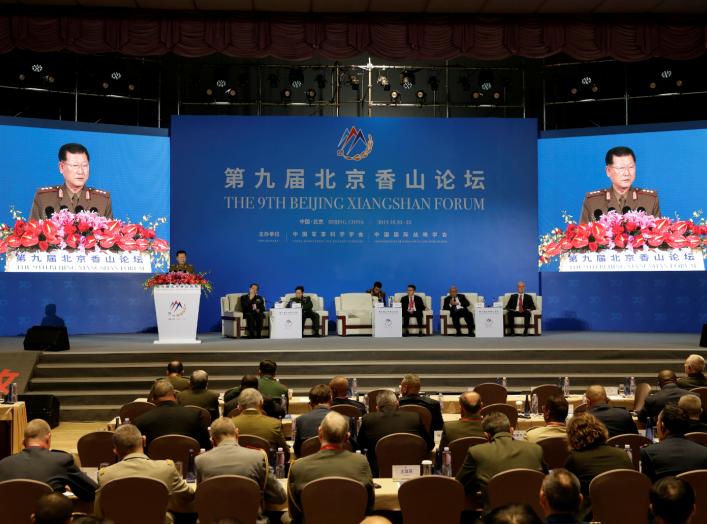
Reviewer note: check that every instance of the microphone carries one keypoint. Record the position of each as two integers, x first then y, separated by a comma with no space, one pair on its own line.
78,209
94,210
48,211
641,208
625,210
597,214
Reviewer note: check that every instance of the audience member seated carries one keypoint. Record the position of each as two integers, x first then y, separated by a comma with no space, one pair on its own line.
386,420
251,421
307,425
500,454
669,393
692,406
512,514
175,371
618,421
590,455
332,460
469,425
672,501
674,454
560,497
89,519
128,445
268,385
410,394
37,462
555,414
694,373
198,394
53,508
230,397
228,458
169,418
339,386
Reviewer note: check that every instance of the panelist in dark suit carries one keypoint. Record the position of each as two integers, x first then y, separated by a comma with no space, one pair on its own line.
457,306
519,308
253,307
307,309
410,394
169,418
377,292
412,306
388,419
307,425
37,462
669,393
674,454
617,420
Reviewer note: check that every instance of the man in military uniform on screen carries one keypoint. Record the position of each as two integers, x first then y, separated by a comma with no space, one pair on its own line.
622,196
307,309
181,265
73,194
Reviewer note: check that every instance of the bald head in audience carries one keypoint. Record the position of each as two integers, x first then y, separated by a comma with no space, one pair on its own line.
694,364
386,401
339,386
667,376
691,405
198,380
410,385
596,395
470,404
53,508
375,519
37,434
163,391
250,398
334,430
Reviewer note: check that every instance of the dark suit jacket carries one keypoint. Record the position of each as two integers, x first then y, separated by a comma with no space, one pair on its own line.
375,426
456,429
419,303
618,421
204,398
463,301
696,380
432,405
247,304
351,402
528,303
306,302
590,462
670,394
169,418
672,456
307,426
697,426
55,468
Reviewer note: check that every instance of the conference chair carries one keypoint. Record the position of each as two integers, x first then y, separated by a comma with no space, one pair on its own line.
446,326
133,410
228,497
233,322
582,408
509,411
702,393
318,303
620,496
636,442
399,449
204,415
134,500
372,400
174,447
555,451
536,315
544,391
639,397
354,314
334,499
312,445
347,410
427,314
698,480
96,448
491,393
459,449
697,436
516,486
254,442
23,494
415,496
424,413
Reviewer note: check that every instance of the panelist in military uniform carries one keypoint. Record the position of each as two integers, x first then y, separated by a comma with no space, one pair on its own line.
73,194
253,307
622,196
307,309
181,265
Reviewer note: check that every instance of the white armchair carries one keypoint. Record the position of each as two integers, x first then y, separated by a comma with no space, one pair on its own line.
354,314
427,314
233,323
318,303
535,316
445,320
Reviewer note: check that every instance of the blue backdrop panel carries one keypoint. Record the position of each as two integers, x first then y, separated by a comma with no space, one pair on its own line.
663,302
473,223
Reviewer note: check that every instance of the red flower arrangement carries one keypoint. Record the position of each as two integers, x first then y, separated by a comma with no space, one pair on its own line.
178,278
630,231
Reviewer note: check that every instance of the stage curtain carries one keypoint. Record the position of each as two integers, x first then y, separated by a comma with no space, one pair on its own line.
394,37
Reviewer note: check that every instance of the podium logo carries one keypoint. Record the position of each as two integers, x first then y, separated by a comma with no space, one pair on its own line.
176,309
353,144
7,377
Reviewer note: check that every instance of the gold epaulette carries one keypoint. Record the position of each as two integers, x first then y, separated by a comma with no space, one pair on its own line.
47,189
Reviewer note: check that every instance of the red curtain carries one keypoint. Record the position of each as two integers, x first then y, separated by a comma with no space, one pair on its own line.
298,37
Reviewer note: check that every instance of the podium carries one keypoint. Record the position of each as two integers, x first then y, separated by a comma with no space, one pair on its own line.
387,322
177,309
489,322
286,323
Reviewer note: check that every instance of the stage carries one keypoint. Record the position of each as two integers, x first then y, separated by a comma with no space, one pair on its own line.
101,372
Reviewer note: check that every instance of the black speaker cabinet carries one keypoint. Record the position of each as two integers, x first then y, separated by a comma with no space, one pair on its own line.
47,338
45,407
703,338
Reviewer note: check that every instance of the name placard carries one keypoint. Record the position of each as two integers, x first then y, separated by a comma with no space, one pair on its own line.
407,472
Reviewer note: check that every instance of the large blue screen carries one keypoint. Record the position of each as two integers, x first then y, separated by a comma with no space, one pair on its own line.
336,203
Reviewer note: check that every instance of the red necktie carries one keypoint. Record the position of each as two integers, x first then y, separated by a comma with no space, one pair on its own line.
411,305
520,303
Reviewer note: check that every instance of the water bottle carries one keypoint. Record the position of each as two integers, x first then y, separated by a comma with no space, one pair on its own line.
526,406
127,421
440,398
534,408
426,468
280,464
365,401
191,467
498,380
284,403
649,429
632,385
354,387
566,387
627,387
13,392
504,383
447,463
629,452
390,301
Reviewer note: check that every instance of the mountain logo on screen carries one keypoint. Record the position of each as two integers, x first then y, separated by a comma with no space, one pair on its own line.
177,309
353,144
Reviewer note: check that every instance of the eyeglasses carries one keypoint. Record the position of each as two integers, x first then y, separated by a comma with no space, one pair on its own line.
77,166
623,169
